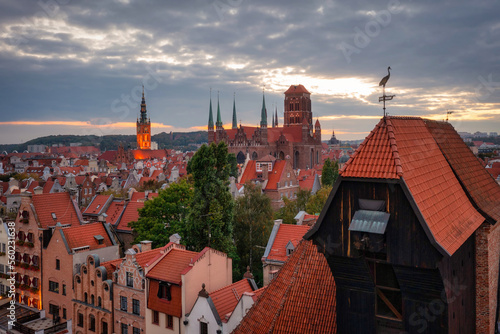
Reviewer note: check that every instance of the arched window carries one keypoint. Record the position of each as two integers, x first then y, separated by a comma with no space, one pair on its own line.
99,301
85,298
92,299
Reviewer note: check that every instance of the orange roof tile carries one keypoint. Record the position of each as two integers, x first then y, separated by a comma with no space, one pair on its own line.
58,203
130,214
301,297
226,299
97,205
404,147
285,233
483,189
83,235
376,157
297,89
171,266
114,211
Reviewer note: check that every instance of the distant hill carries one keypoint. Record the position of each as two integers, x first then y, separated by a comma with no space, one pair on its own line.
184,141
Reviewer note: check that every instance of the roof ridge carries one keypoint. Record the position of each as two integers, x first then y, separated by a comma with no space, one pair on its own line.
367,138
394,146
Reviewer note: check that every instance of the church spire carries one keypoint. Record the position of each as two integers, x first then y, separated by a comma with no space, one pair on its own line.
144,112
263,113
235,122
276,119
219,119
273,122
210,114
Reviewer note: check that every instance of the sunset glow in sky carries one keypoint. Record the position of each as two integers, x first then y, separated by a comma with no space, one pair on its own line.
73,67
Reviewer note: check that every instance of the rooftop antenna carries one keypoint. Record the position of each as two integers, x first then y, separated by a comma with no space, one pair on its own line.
448,112
382,83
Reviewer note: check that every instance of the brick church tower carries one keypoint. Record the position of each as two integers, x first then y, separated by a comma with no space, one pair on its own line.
143,127
297,105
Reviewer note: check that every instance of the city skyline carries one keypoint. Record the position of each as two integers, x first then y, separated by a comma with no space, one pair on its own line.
70,68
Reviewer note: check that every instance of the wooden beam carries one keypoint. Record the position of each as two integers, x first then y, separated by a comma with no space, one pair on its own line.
389,304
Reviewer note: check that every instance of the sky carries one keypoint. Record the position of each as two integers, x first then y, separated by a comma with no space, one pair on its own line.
77,67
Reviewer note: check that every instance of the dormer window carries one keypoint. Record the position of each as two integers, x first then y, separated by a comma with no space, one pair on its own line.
164,291
289,248
99,238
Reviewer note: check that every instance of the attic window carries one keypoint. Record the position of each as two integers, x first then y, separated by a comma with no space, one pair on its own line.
98,205
289,248
99,238
164,291
54,215
368,226
369,221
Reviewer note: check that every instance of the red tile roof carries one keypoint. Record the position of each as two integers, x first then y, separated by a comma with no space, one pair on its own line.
403,147
83,235
301,299
141,196
171,266
114,211
130,214
286,233
142,259
297,89
226,299
483,189
58,203
97,204
250,173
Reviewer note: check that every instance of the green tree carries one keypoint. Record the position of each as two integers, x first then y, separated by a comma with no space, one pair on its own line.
164,215
329,173
317,201
233,165
253,222
292,206
210,220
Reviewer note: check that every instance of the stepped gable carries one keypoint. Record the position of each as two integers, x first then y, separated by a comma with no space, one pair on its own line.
301,299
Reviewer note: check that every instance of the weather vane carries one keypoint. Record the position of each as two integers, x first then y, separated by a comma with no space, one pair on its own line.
448,112
382,83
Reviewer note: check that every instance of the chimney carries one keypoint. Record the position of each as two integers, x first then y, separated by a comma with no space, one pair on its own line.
38,190
146,245
265,173
175,238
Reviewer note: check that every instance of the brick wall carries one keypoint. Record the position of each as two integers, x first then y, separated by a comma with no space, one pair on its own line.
487,266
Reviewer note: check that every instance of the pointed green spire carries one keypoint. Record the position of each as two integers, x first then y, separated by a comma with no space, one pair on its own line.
263,113
210,114
235,123
219,119
276,120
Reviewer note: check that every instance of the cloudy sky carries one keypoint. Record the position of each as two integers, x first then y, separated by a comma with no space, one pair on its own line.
77,67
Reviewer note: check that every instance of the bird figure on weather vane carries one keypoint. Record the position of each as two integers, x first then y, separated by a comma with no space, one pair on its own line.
382,83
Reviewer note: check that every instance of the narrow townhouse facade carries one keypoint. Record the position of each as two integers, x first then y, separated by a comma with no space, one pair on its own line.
36,220
67,250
